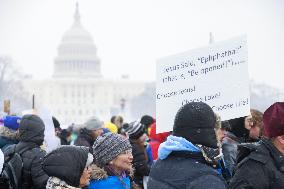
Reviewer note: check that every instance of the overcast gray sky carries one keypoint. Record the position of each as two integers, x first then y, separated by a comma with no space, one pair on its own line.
132,34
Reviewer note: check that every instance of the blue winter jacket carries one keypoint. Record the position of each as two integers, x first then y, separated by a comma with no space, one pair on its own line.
111,182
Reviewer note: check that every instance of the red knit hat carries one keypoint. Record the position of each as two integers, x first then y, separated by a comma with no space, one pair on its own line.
273,120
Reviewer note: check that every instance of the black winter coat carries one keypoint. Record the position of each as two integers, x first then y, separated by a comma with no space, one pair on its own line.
32,171
140,163
31,136
184,170
260,166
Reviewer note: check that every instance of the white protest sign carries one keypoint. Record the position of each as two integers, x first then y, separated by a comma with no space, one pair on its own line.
50,140
216,75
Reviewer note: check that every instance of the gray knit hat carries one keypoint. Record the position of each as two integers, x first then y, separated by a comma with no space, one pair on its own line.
108,146
93,124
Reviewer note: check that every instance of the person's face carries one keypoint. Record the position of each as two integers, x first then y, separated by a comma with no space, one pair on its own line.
97,133
118,122
248,122
123,162
221,133
85,177
254,132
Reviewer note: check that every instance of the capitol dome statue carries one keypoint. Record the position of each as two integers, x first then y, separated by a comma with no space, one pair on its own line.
77,53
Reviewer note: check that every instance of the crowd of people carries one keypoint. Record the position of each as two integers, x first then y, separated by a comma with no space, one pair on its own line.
200,152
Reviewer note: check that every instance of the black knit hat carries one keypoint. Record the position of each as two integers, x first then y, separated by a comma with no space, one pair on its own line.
147,120
195,122
135,130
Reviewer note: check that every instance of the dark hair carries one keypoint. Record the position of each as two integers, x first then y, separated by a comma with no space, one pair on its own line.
225,125
112,119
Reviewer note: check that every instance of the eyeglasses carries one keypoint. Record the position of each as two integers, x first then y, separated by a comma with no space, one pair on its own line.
127,152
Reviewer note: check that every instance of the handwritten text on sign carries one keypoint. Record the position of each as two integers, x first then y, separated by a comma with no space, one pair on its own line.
216,75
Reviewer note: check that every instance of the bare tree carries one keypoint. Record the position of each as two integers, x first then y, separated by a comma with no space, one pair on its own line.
11,85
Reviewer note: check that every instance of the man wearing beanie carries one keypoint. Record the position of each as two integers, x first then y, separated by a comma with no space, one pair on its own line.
261,165
31,136
89,133
188,157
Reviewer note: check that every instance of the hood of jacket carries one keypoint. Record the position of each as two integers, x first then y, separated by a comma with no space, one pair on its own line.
174,144
31,129
8,133
66,163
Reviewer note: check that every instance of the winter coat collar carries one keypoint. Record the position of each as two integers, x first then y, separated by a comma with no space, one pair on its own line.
56,183
276,155
261,151
98,173
28,145
232,138
180,146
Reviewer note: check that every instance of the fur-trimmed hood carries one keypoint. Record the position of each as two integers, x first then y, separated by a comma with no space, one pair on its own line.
8,133
99,173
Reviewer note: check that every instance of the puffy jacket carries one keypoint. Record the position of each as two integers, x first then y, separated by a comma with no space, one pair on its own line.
260,166
111,182
31,136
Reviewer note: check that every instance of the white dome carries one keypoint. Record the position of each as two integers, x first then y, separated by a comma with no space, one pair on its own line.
77,53
77,34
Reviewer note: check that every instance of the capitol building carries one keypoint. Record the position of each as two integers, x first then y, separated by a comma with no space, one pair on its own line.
77,89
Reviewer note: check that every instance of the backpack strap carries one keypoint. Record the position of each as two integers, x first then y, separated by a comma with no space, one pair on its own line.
26,180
